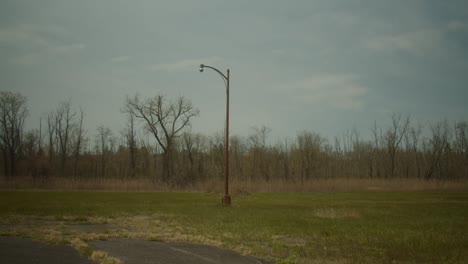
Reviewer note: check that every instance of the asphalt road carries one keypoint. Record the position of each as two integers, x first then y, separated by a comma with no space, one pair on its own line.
15,250
134,251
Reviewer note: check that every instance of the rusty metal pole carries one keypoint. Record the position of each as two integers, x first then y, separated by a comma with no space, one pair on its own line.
227,198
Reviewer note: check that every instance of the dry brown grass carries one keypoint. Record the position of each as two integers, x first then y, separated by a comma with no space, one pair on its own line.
102,257
331,185
236,186
70,183
333,213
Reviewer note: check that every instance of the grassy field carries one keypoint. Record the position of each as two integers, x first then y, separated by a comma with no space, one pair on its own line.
340,227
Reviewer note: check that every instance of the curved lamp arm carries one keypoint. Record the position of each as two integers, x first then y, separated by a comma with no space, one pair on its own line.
225,79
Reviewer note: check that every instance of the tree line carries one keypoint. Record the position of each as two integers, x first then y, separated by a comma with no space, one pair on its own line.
157,143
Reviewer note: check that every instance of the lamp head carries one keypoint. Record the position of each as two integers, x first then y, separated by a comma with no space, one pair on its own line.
201,67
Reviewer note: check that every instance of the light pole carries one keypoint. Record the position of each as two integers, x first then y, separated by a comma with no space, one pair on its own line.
226,199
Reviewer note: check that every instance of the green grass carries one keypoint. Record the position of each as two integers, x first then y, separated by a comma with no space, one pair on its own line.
353,227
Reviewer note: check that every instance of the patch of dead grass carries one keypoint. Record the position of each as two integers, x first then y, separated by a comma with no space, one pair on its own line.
239,186
292,241
102,257
334,213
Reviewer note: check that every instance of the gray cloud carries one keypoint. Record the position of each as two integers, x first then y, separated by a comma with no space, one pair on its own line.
341,91
186,64
319,65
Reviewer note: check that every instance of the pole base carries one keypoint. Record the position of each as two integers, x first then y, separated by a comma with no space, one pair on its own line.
226,200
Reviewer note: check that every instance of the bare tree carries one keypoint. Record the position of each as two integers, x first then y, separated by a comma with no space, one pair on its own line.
415,136
309,145
30,144
13,112
40,134
216,154
282,160
30,148
238,148
188,147
461,144
103,146
338,156
358,152
64,124
377,134
78,136
51,129
258,141
129,133
435,147
393,138
259,136
164,119
192,147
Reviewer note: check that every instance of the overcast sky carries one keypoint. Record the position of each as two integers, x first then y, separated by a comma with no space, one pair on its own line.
325,66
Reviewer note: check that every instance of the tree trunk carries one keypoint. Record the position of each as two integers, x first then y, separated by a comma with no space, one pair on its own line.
5,162
132,161
166,173
12,163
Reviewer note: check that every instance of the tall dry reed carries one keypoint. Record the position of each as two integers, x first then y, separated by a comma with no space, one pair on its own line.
236,186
